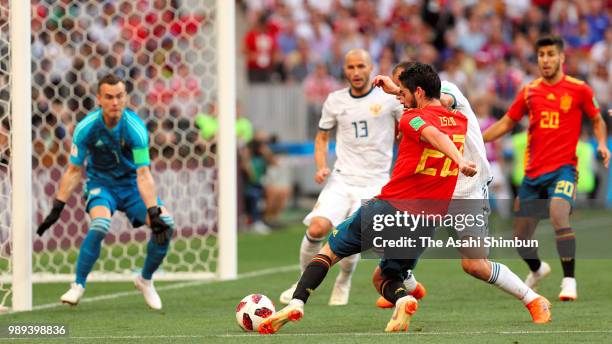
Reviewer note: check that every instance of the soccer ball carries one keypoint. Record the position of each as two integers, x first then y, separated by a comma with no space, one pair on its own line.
252,310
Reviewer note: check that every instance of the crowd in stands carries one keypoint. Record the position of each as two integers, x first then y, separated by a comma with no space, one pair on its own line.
485,47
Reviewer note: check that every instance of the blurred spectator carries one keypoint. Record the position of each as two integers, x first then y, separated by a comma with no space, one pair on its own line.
335,61
317,87
499,188
583,38
600,81
471,35
299,63
287,38
260,48
454,74
496,48
278,185
255,160
601,52
319,35
503,85
597,18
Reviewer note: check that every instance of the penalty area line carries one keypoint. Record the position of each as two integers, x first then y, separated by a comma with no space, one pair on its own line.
180,285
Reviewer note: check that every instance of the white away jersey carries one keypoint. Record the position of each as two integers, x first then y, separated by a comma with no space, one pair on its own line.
365,132
470,187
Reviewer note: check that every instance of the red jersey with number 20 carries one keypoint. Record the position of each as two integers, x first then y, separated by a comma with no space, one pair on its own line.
555,117
421,171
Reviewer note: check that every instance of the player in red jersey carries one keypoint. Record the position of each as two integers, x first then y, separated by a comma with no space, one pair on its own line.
470,197
427,167
555,103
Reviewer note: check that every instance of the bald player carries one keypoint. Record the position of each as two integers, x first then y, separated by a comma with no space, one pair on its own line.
364,118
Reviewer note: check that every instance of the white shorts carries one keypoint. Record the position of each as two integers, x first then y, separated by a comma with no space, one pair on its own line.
476,204
338,200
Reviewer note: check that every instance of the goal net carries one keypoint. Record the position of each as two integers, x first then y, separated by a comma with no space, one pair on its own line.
5,177
166,52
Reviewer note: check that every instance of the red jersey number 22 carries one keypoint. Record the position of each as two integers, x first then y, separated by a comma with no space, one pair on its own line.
436,154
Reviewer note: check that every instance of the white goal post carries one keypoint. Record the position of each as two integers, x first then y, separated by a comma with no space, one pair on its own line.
203,43
21,153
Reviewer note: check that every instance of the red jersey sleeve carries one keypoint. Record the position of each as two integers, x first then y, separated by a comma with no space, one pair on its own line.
590,106
519,106
413,122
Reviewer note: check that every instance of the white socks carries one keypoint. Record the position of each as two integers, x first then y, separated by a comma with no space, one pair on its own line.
311,246
296,303
308,249
347,266
507,281
410,283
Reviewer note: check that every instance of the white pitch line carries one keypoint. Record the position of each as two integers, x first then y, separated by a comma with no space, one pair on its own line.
256,273
467,333
327,334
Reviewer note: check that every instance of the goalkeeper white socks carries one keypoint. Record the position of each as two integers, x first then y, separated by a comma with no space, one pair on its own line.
507,281
308,249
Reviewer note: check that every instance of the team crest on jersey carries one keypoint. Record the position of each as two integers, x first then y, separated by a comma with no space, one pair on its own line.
566,102
74,151
375,109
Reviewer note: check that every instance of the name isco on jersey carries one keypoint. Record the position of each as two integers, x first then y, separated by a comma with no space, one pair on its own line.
410,221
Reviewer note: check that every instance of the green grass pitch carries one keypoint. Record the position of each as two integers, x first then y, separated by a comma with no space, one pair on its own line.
457,309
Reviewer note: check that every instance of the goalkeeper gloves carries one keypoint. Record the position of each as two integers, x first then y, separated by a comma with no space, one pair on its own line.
159,228
53,216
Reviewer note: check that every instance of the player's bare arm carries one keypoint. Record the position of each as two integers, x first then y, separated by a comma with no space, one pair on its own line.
390,87
146,186
386,84
321,146
499,129
444,144
70,179
600,131
447,100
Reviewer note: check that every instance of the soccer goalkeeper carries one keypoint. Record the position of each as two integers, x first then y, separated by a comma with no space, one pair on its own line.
115,142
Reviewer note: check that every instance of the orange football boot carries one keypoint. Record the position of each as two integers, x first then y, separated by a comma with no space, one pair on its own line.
277,320
404,310
419,292
540,310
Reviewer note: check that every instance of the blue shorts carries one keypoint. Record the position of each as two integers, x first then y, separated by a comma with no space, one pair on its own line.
348,238
560,183
123,198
